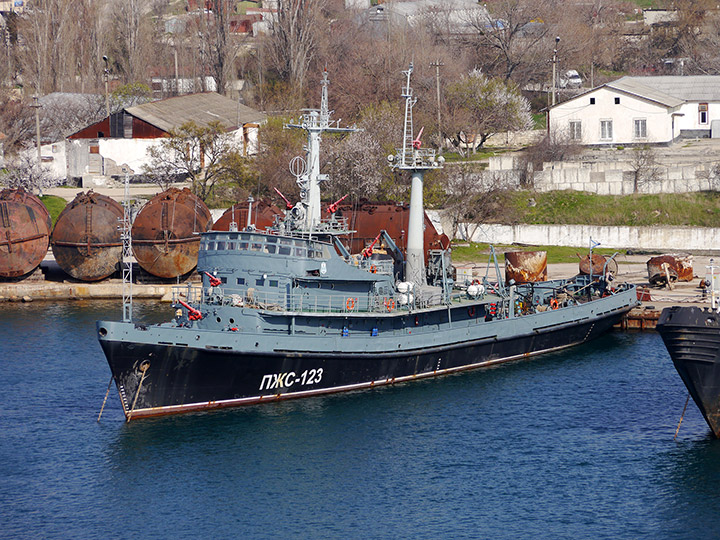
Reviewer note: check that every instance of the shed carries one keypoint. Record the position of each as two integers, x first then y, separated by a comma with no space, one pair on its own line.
119,143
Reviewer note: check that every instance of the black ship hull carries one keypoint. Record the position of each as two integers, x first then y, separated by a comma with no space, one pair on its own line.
692,337
157,379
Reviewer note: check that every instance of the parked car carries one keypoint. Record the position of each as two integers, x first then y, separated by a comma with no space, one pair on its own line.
571,79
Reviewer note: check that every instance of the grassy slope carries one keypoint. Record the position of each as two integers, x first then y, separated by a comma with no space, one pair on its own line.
574,207
54,205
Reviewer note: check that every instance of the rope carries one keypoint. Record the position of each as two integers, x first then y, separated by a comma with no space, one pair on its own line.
143,368
105,400
682,416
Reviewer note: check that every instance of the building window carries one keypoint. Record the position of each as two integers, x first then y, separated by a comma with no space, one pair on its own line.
575,130
592,101
640,128
617,101
606,132
703,113
241,281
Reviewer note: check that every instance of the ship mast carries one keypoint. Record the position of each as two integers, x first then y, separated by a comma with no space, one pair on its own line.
315,122
416,160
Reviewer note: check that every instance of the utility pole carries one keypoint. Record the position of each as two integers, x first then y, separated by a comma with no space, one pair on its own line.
36,105
177,80
437,65
554,62
107,77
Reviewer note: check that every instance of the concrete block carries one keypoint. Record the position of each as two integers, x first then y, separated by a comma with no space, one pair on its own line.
615,188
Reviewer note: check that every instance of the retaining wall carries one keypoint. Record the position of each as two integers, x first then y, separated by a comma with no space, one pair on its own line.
668,239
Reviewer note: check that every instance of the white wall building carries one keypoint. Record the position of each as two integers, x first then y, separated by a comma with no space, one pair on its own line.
641,110
119,144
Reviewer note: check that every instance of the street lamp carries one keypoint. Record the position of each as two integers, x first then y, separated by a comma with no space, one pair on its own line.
554,69
107,77
36,105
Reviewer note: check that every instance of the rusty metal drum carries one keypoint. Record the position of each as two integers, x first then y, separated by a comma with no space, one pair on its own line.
664,268
165,233
86,239
25,227
526,266
600,265
263,216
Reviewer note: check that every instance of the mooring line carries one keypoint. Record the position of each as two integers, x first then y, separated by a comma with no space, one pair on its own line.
106,396
682,416
143,367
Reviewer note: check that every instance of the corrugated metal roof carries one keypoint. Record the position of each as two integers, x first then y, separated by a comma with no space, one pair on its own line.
672,90
638,86
202,109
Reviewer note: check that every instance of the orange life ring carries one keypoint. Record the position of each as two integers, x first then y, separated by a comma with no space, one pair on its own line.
554,303
373,269
390,304
350,304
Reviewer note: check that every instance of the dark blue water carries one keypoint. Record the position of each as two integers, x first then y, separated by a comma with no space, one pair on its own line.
571,445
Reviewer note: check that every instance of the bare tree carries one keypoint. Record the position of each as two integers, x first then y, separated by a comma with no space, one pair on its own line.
644,166
131,42
555,146
357,164
512,41
48,37
293,38
472,198
17,120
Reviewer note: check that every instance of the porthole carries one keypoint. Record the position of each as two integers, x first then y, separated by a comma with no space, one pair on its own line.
218,319
232,321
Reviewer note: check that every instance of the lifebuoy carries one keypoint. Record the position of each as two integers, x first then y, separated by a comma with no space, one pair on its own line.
373,269
471,311
493,308
553,303
389,304
350,304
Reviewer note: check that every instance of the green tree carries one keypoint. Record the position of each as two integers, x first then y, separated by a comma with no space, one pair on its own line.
201,155
479,107
129,95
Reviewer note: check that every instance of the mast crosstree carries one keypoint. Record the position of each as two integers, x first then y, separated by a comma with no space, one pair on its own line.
314,122
411,157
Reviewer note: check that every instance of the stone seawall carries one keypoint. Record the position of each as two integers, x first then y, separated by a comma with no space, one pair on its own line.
667,239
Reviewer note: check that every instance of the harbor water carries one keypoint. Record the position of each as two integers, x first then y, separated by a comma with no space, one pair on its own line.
575,444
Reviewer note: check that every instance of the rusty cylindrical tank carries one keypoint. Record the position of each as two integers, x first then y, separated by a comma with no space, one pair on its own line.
526,266
598,265
368,218
25,227
86,239
165,235
679,268
263,216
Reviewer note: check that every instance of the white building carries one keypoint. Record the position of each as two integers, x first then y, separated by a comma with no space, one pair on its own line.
451,16
641,110
119,143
